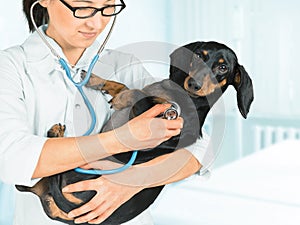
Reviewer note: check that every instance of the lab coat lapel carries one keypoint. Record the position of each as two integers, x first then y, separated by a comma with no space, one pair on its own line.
41,61
38,56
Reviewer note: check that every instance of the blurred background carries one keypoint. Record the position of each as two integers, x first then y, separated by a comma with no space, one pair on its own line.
264,35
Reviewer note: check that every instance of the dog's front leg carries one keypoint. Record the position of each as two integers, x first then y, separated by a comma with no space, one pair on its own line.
127,98
97,83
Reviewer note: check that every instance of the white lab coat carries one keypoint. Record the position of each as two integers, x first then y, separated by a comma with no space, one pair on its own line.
35,94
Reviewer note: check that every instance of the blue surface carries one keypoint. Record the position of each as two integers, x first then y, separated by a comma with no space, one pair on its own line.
6,204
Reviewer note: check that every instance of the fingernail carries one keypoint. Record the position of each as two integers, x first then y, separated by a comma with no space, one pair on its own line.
71,215
77,221
98,222
65,189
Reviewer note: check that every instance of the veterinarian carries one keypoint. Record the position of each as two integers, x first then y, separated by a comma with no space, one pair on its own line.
35,94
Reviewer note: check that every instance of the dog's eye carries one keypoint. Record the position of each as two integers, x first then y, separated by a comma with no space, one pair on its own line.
48,202
223,68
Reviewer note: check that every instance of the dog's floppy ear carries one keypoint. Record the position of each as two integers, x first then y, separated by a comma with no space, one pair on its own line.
181,58
243,86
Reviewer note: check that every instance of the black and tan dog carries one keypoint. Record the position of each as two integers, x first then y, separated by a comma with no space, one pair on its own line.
199,73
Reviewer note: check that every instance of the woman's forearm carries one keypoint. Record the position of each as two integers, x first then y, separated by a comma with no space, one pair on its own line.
142,132
183,162
159,171
62,154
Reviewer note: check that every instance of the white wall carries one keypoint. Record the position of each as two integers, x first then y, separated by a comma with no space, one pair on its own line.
12,23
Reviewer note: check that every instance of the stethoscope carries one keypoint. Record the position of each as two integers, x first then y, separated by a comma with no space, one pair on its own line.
79,86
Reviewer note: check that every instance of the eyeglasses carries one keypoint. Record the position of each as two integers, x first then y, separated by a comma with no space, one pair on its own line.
86,12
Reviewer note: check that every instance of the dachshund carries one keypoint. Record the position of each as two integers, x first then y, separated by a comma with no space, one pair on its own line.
200,72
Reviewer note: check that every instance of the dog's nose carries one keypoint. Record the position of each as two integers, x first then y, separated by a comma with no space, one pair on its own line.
194,85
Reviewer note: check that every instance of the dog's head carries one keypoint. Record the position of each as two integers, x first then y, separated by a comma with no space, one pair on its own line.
206,69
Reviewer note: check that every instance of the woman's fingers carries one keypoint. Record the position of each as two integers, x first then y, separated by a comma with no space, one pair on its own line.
84,186
96,202
155,110
174,127
147,131
83,210
81,186
174,124
102,217
171,133
166,128
108,198
93,209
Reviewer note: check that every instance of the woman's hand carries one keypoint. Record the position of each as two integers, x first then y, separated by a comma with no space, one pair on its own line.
109,196
146,131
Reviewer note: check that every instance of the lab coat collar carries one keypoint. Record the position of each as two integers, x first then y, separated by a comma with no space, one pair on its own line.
38,53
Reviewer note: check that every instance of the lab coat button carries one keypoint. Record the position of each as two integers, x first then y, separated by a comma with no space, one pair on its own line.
77,106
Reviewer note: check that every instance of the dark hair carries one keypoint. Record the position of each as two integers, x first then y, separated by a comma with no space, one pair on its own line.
40,14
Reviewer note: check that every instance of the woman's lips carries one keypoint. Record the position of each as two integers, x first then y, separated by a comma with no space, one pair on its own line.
88,34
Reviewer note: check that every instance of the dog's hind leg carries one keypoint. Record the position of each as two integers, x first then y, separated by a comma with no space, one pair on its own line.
42,190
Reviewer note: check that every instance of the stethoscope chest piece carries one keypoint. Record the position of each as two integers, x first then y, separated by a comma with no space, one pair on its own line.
173,112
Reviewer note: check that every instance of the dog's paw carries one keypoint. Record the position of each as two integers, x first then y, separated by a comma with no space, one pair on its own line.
117,103
124,99
94,82
57,130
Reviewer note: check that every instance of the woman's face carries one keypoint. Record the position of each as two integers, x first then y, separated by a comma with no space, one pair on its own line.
71,32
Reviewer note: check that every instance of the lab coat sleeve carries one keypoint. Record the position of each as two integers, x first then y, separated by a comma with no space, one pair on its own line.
201,151
19,147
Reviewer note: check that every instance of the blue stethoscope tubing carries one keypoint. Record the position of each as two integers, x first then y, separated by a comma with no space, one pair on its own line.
79,86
